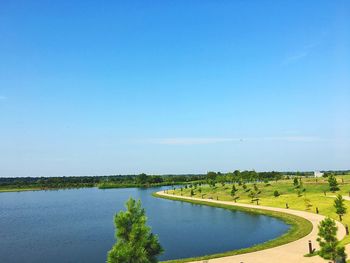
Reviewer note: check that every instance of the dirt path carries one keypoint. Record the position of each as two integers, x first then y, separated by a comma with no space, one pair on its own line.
288,253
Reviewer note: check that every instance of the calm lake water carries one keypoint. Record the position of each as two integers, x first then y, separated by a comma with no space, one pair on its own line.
77,225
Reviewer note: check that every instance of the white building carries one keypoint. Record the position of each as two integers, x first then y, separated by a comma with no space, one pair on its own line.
318,174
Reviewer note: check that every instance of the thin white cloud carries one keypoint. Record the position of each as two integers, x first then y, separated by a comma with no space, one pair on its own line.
294,139
301,54
295,57
189,141
201,140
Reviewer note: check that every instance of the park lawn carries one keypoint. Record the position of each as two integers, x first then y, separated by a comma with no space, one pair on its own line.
313,197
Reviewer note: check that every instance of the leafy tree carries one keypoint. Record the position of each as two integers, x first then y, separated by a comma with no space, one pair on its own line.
192,192
329,244
211,176
296,182
234,190
333,184
340,206
142,178
135,242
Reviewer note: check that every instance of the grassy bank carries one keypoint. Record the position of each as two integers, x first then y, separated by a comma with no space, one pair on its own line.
116,185
19,189
299,227
23,189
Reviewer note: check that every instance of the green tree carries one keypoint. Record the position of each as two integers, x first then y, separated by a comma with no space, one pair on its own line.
211,176
333,184
142,178
276,193
296,182
340,207
135,242
234,190
329,244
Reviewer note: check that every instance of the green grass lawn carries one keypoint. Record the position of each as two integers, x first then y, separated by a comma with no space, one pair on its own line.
307,201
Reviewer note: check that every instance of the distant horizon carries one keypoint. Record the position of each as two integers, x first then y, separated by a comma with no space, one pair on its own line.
170,174
173,86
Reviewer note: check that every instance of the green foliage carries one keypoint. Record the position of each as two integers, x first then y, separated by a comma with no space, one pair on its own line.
234,190
296,182
329,244
141,178
340,206
333,184
276,193
136,243
211,176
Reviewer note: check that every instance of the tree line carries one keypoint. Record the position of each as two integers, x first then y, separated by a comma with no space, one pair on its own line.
92,181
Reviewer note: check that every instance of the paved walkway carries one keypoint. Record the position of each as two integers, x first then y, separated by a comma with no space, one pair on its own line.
288,253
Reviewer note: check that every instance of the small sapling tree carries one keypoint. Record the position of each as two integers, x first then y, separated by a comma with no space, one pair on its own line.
276,193
329,244
339,206
333,184
296,182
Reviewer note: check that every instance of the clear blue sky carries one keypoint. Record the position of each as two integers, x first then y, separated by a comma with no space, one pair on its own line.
118,87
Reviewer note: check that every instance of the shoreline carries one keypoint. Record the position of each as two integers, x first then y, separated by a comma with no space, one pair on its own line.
290,250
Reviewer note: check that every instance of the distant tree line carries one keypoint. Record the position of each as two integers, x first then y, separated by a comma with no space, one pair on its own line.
144,180
242,177
141,180
335,172
311,173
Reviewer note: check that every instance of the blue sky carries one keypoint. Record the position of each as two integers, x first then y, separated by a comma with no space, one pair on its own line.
91,88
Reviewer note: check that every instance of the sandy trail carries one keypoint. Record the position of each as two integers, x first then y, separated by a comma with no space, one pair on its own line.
288,253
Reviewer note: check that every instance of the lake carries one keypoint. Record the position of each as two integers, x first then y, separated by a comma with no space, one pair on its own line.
77,225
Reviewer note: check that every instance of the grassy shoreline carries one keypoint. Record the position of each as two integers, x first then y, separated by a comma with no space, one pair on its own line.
299,227
26,189
5,190
99,186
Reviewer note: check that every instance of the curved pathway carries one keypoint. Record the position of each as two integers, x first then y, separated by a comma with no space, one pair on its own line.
292,252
